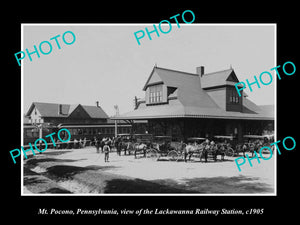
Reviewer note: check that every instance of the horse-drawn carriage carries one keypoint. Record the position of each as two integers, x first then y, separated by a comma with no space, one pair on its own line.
160,147
123,143
141,143
203,148
164,148
224,145
195,148
134,144
253,143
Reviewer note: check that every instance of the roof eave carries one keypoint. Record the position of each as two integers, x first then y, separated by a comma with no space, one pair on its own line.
191,116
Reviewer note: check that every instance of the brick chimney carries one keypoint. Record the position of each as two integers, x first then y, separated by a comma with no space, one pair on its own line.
200,70
97,104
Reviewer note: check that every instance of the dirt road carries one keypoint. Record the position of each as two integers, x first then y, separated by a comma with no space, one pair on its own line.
82,171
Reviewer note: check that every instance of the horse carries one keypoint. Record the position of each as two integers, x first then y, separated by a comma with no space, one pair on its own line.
214,150
131,146
140,147
192,148
124,145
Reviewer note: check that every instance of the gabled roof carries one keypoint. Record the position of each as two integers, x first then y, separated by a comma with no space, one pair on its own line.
189,92
51,110
171,78
78,111
95,112
220,78
192,100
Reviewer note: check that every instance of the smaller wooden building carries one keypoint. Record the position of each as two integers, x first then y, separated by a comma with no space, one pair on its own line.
81,120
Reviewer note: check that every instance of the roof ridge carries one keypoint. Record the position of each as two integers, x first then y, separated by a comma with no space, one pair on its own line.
51,103
193,74
217,72
75,104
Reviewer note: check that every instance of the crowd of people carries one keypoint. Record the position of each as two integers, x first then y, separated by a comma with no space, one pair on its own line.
74,143
107,144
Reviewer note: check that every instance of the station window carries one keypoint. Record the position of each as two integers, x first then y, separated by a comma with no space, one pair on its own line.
155,94
233,98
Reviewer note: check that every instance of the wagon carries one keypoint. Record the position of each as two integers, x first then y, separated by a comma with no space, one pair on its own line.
223,145
255,142
177,151
162,147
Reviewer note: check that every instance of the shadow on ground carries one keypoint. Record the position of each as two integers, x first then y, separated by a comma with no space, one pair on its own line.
225,185
95,178
35,161
140,186
56,191
228,185
65,172
37,183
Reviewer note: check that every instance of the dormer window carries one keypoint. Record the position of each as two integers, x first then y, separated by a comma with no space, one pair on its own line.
155,94
234,98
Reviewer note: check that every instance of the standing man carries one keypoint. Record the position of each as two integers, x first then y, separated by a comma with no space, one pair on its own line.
97,144
106,150
206,149
102,142
117,145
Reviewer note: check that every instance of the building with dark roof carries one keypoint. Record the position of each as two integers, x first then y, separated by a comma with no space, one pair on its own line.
203,104
40,112
82,121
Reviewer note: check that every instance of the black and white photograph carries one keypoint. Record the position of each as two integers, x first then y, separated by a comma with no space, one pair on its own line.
161,116
149,111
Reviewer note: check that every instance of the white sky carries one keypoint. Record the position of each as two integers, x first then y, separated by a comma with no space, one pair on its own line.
106,64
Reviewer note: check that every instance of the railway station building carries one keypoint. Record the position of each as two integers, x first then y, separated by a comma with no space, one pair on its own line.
182,105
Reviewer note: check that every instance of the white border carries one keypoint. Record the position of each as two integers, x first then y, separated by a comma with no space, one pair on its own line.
139,24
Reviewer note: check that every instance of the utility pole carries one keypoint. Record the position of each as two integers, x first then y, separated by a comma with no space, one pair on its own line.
116,123
39,127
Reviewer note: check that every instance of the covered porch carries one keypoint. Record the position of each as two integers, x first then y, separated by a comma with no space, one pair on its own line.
183,128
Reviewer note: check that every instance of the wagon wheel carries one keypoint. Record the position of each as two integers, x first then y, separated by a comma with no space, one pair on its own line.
152,153
136,152
173,155
229,152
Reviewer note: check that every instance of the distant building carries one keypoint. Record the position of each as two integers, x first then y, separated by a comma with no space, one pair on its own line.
40,112
82,121
198,104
